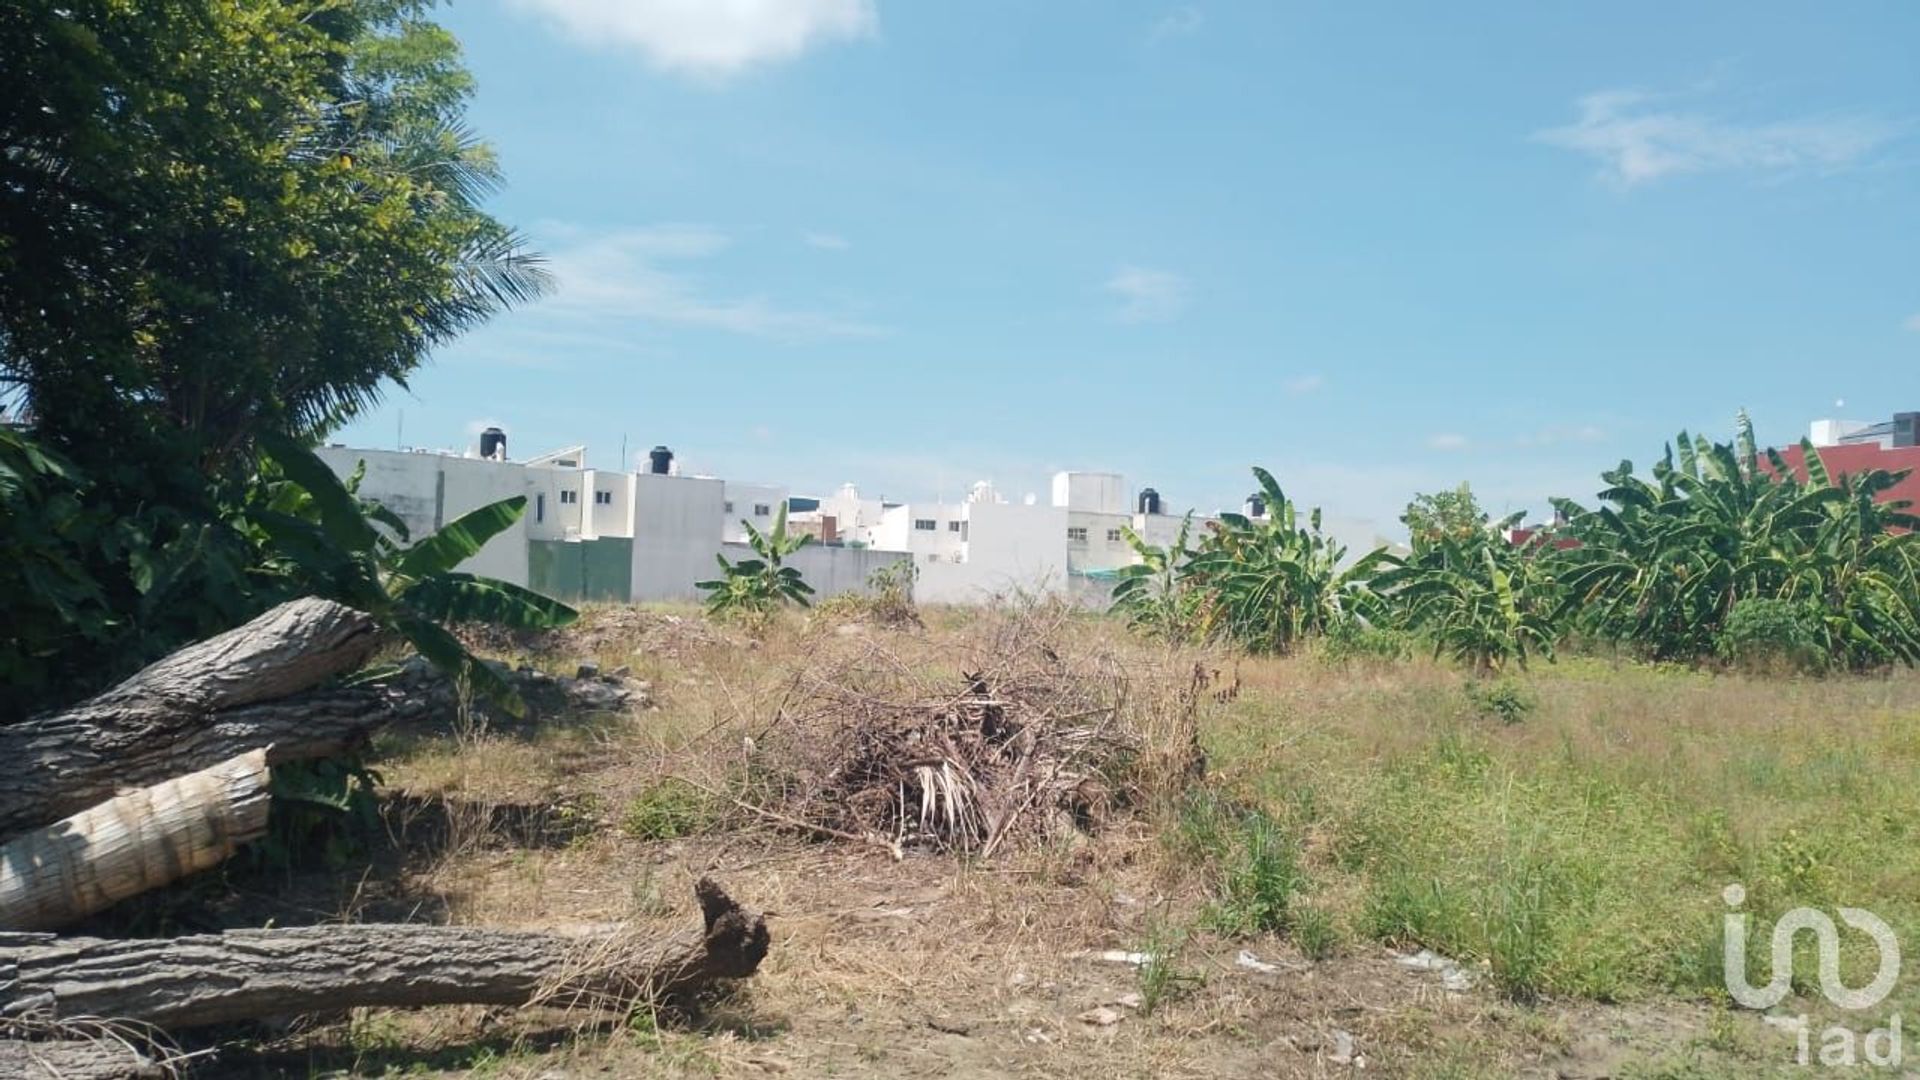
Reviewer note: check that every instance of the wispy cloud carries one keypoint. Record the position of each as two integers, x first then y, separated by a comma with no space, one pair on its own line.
1179,22
825,241
1447,441
1638,140
709,38
1301,385
1148,295
631,274
1555,436
1913,323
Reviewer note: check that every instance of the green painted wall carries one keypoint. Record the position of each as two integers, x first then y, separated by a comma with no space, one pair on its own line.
582,569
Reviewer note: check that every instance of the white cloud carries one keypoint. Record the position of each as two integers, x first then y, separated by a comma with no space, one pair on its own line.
1912,323
623,273
710,38
1148,295
1301,385
1637,141
826,241
1447,440
1179,22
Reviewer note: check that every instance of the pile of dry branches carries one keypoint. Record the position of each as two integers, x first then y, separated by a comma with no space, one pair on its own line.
1026,732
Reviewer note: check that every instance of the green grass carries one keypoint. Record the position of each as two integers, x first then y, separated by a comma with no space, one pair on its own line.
1580,851
667,811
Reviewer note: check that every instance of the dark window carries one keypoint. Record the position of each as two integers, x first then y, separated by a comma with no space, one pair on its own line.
568,498
925,524
540,507
953,526
761,509
603,498
1076,535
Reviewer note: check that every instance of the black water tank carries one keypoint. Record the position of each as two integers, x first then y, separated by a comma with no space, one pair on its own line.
1256,505
1149,501
1906,429
659,461
493,444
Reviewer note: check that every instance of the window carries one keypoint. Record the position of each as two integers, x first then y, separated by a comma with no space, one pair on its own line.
925,524
953,526
761,509
603,498
933,557
540,506
1076,535
728,509
1113,536
568,498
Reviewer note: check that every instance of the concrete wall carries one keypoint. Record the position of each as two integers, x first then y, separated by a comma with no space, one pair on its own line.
407,484
1105,548
677,523
468,484
830,570
428,490
1094,492
1009,547
746,499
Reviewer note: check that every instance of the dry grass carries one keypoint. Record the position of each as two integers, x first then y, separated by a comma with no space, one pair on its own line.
1575,855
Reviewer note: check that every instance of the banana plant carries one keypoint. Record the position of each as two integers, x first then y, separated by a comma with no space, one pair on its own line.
1662,563
1269,583
1152,595
359,553
760,584
1481,599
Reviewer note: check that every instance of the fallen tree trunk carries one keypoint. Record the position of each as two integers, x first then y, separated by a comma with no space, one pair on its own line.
202,705
249,974
125,846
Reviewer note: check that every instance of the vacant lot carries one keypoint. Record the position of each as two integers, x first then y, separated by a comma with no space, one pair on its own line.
1558,842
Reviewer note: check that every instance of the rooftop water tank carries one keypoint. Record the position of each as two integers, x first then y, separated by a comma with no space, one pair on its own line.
1149,501
493,444
660,461
1256,505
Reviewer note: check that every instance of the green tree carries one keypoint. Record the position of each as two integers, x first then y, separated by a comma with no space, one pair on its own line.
218,218
221,217
1433,518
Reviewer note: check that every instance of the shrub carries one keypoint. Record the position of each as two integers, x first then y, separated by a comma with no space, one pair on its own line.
1769,635
1503,698
1352,639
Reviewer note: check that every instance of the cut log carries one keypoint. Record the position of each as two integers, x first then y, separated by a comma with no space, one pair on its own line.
125,846
249,974
200,706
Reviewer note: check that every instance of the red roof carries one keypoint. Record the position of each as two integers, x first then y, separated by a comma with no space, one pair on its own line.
1852,458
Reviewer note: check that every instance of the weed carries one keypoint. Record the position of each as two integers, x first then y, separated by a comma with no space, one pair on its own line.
1161,978
666,811
1260,881
1315,933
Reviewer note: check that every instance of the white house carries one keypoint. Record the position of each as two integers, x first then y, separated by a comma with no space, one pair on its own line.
629,536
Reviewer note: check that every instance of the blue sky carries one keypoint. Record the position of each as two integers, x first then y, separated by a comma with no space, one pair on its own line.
1378,248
